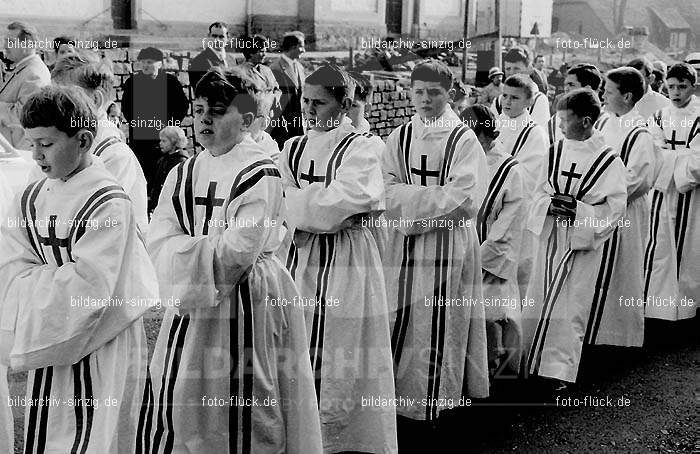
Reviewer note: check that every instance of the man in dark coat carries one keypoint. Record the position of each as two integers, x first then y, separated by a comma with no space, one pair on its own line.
152,100
214,53
290,76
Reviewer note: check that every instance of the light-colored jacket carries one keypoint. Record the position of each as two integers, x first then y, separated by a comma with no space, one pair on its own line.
28,77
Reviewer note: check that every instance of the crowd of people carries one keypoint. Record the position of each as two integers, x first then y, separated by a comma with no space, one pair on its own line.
326,290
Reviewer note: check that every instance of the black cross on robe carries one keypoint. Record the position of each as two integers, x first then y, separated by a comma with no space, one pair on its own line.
210,201
310,177
423,172
53,241
570,175
673,142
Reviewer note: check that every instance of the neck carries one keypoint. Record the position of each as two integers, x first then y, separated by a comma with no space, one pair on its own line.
84,164
223,149
623,111
585,135
288,55
684,104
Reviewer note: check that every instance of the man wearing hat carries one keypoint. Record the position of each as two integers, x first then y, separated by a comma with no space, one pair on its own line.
152,100
693,59
494,89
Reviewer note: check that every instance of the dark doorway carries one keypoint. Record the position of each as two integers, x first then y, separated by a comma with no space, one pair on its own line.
122,17
393,17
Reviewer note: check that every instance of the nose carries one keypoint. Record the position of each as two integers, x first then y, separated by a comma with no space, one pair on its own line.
37,154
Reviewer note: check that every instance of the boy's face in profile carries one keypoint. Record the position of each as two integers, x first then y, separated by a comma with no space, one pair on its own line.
357,110
572,126
322,111
571,83
429,98
679,91
614,100
514,101
58,155
219,127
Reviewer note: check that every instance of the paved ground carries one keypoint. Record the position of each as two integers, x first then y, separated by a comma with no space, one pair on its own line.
654,393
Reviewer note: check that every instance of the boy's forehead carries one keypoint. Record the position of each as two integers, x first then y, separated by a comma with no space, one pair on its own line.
204,102
427,84
675,80
316,92
513,90
44,132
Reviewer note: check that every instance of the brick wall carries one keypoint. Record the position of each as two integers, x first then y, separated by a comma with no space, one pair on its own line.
390,105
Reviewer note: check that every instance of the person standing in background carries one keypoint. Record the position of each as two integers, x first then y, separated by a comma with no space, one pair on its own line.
29,75
290,76
152,100
214,53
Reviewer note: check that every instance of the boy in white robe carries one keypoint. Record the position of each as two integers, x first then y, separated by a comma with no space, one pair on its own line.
333,185
525,141
77,282
230,371
361,102
617,316
500,227
6,420
518,61
581,195
672,258
436,178
652,101
97,80
582,75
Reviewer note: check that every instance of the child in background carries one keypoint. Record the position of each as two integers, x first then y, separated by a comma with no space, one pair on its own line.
172,144
361,101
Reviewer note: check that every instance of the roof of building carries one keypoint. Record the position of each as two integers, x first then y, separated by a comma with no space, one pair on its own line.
670,17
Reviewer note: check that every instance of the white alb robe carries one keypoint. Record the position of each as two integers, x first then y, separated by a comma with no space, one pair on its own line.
651,103
436,180
6,421
78,280
672,257
500,227
618,317
230,371
568,255
333,186
525,141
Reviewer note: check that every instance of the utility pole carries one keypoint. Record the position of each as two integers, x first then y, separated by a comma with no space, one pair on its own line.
465,54
499,43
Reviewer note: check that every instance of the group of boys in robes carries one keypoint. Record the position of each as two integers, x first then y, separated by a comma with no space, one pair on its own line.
330,297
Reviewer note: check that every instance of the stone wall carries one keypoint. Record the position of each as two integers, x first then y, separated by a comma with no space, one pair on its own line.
390,106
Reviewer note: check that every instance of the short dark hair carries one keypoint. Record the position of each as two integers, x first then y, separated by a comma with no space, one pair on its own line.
517,54
432,70
522,81
60,40
291,39
587,75
682,71
67,109
26,31
229,88
218,25
363,85
335,80
583,102
90,76
481,120
628,80
252,45
643,65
